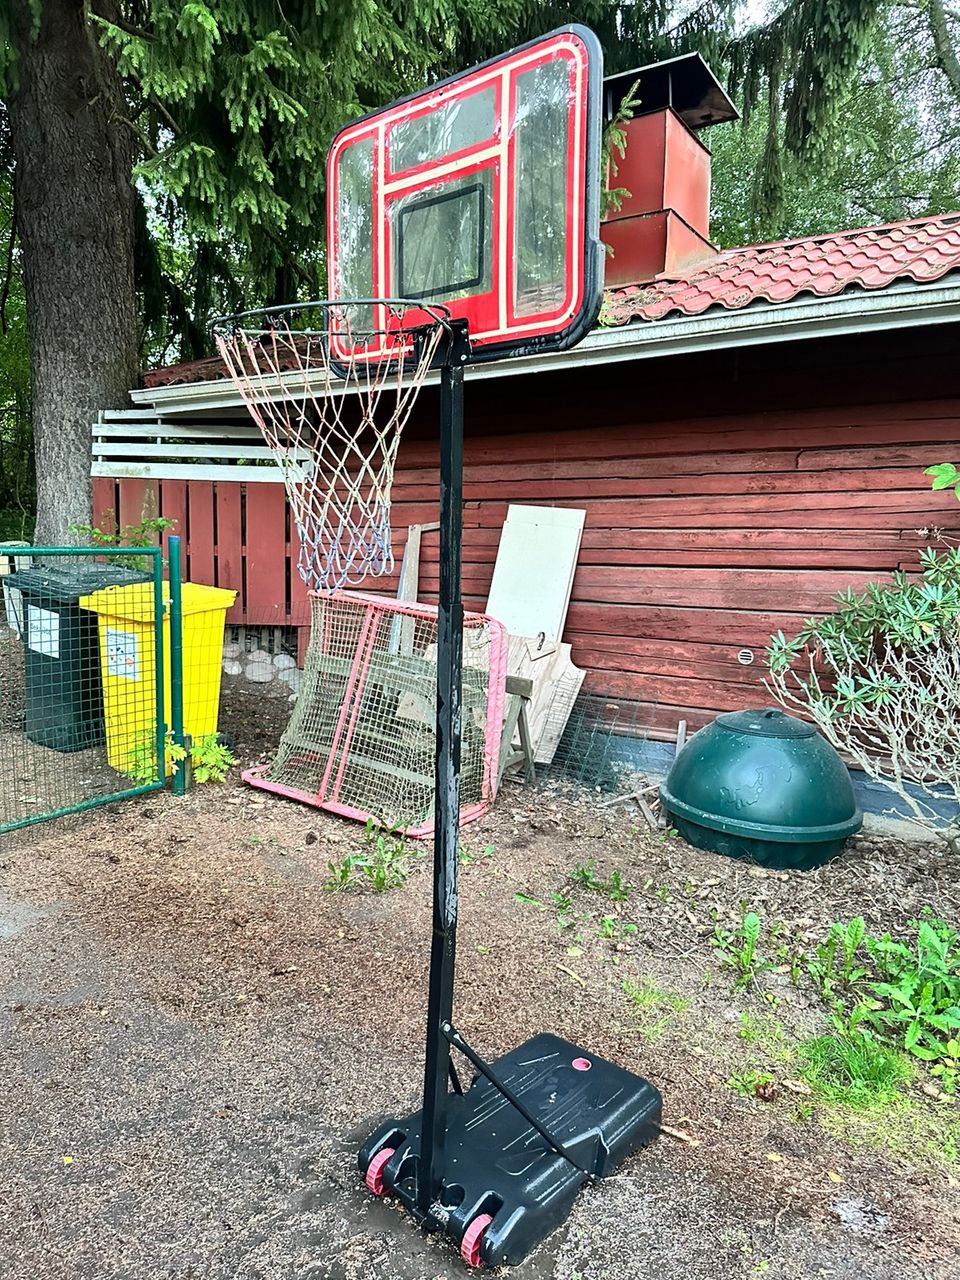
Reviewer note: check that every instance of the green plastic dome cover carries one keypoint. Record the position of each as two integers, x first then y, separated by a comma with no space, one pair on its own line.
762,785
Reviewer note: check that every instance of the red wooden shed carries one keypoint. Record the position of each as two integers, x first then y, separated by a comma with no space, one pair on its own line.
747,434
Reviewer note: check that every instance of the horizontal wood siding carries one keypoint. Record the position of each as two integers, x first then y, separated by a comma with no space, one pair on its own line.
704,533
703,537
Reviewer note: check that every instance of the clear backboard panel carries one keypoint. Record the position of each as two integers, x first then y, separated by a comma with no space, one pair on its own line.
480,194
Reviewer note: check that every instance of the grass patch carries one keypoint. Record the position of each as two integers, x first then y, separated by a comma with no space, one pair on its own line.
653,1007
765,1033
853,1070
925,1136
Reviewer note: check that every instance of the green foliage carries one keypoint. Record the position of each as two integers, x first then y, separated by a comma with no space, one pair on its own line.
210,758
143,769
802,61
384,863
836,962
613,150
611,929
737,948
945,476
905,993
144,534
750,1083
880,677
584,875
16,436
653,1008
853,1070
471,857
916,609
916,1002
886,149
617,889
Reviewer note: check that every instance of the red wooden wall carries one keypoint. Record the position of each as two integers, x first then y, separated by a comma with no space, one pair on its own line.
704,533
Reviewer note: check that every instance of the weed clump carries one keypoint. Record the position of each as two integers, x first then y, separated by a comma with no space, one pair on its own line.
853,1070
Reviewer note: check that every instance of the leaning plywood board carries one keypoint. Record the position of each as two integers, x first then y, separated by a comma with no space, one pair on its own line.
556,683
533,576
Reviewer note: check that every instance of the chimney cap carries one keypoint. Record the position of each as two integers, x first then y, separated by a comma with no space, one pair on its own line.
684,83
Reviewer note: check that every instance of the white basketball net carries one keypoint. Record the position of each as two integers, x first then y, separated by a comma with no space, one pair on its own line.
334,424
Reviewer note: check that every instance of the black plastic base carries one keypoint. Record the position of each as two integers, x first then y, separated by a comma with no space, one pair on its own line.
495,1163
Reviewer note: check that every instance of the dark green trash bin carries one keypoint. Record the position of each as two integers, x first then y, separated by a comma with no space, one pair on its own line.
64,697
765,786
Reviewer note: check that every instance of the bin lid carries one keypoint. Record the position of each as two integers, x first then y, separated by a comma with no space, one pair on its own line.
136,603
68,584
770,722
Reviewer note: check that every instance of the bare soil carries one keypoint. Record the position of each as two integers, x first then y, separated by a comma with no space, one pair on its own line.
195,1037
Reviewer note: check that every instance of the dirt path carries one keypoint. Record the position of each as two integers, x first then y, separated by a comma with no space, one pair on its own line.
195,1036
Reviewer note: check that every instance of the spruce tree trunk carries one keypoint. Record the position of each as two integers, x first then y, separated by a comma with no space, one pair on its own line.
74,155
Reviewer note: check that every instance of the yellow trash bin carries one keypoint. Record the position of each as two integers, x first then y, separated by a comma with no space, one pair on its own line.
128,664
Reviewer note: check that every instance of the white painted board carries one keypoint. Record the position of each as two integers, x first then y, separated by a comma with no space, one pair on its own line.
533,576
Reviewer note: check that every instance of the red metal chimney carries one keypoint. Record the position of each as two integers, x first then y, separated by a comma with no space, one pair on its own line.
663,226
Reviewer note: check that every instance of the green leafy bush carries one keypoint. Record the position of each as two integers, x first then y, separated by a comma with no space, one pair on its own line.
209,758
905,993
916,1002
144,534
880,677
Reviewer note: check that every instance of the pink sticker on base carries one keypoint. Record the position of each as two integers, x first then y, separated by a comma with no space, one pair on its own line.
581,1064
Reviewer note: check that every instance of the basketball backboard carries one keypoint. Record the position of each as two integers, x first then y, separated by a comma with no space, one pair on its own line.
480,194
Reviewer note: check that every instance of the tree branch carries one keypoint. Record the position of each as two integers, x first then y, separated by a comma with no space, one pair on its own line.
944,46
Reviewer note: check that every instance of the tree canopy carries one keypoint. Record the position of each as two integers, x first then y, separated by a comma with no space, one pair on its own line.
226,109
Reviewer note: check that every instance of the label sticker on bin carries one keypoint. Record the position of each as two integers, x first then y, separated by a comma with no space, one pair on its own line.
122,653
43,631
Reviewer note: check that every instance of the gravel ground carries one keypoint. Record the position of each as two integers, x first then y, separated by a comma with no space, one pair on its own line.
195,1037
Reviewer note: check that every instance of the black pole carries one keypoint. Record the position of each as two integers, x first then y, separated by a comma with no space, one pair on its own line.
447,803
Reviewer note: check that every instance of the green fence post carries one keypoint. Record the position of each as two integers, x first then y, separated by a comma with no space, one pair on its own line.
176,661
156,556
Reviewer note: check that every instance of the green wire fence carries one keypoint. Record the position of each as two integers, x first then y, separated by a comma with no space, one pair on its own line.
82,679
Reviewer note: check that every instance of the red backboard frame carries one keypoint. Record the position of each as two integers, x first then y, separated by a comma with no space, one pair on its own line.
503,320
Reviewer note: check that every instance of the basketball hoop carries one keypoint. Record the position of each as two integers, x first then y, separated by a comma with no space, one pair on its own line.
331,386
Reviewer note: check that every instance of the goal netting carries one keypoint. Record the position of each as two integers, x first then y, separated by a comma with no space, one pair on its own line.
362,739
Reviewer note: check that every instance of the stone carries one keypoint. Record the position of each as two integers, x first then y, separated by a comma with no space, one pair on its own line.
260,655
231,650
283,661
259,672
231,667
291,677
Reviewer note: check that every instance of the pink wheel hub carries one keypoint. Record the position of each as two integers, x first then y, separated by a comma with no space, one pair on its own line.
374,1174
473,1238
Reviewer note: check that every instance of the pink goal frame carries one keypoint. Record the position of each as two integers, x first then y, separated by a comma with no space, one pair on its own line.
328,797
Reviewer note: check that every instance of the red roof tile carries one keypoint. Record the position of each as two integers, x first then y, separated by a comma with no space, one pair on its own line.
922,250
870,258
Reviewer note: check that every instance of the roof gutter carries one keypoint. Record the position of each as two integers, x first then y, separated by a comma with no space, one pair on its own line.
897,306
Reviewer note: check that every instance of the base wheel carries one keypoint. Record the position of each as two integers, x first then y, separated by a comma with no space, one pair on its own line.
473,1239
374,1175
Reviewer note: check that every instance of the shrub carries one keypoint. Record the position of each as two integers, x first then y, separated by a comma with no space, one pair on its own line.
880,677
